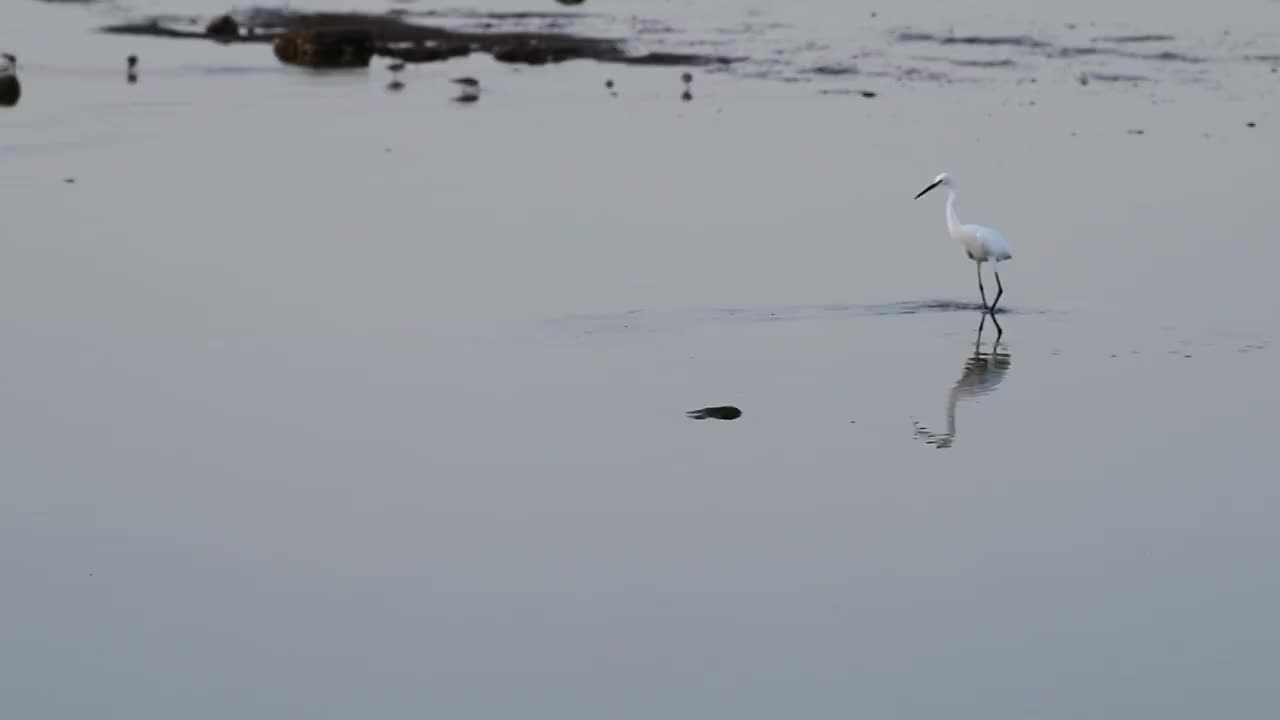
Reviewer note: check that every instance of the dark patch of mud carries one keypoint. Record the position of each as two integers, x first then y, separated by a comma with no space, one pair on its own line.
834,69
340,39
1087,77
962,62
1068,52
1022,41
849,91
1124,39
1044,48
722,412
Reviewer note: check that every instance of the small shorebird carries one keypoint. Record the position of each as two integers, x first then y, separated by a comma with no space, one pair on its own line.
469,89
395,69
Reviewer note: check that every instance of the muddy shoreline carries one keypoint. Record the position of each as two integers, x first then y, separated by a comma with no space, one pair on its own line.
349,39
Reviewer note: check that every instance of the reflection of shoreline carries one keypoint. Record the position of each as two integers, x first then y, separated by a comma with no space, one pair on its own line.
983,372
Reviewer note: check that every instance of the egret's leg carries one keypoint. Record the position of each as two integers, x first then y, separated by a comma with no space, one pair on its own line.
981,289
999,291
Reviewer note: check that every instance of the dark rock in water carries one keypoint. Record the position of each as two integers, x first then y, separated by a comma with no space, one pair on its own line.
1251,124
720,412
223,27
570,3
686,96
10,86
10,90
336,48
1150,38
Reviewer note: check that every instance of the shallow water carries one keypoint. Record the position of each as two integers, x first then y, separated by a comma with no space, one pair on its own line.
321,401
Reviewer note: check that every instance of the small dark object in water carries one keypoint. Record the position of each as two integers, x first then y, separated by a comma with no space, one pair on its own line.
867,93
69,181
396,66
721,412
223,28
131,69
1083,78
687,78
609,83
1136,132
686,96
1251,124
10,87
570,2
395,86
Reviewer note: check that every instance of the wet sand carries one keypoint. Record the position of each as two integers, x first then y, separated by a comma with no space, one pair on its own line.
323,401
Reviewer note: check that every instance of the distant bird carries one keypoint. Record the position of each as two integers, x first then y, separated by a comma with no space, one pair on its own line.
395,85
131,68
10,88
469,89
981,244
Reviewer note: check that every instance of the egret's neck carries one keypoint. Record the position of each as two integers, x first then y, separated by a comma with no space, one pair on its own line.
953,222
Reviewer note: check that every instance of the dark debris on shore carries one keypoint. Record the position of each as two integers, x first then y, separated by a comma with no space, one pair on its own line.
350,39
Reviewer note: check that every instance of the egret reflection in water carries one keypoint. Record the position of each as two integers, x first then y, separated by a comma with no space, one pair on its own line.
983,372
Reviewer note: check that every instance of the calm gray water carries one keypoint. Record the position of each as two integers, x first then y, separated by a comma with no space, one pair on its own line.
322,402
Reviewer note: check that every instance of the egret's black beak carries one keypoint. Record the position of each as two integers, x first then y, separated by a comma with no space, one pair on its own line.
933,185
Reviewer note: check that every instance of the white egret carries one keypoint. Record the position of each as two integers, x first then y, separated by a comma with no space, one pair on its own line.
981,243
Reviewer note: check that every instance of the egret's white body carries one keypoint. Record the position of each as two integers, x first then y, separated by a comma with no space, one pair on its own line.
981,243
